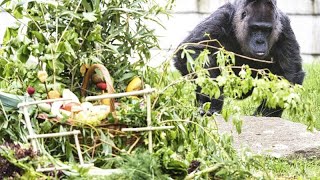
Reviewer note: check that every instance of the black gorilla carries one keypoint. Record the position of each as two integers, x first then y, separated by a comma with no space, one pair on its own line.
254,28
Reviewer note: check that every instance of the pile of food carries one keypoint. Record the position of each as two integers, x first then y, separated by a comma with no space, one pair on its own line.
79,113
75,112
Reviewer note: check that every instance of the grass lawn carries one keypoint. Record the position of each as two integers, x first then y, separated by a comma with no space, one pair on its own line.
312,87
293,168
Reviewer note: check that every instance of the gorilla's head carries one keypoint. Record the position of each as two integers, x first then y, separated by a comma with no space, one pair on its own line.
257,26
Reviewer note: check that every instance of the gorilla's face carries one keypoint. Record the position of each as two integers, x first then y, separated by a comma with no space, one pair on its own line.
256,27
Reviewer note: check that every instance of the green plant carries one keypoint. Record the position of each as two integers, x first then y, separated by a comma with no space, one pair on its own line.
195,137
65,37
60,37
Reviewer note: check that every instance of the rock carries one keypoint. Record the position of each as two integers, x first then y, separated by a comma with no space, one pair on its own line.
273,136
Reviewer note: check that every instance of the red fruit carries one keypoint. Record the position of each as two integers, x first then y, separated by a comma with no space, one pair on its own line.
102,86
31,90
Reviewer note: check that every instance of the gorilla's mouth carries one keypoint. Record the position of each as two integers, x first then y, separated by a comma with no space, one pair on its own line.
259,54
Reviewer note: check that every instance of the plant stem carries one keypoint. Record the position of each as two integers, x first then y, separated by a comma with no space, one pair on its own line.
4,112
210,169
133,145
45,85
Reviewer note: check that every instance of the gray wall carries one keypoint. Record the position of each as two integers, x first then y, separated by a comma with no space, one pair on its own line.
304,15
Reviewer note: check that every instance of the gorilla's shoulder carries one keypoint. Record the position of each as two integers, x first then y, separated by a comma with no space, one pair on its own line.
223,14
286,29
284,18
216,24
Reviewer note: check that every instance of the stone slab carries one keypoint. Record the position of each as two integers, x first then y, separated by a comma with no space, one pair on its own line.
273,136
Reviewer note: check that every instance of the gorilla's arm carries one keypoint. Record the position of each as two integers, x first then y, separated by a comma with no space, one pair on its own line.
217,25
287,53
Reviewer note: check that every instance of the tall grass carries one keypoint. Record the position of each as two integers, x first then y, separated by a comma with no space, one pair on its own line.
312,89
311,94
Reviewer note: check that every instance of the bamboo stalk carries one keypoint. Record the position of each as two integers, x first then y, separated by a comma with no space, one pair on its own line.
53,169
29,127
35,136
42,101
146,129
149,122
118,95
78,148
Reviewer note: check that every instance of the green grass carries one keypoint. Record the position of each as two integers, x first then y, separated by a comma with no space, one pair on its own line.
300,168
311,94
312,87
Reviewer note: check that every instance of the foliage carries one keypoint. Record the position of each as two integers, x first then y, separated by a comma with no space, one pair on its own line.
61,36
195,137
311,93
132,112
141,166
65,37
16,162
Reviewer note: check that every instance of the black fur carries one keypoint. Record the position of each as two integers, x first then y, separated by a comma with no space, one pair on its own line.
281,43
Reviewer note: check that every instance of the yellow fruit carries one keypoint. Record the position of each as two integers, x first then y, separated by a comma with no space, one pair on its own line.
53,94
134,85
106,101
42,75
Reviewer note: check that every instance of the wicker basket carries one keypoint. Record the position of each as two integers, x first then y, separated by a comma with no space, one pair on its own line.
107,78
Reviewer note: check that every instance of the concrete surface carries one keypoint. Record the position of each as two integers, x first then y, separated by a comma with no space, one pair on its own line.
273,136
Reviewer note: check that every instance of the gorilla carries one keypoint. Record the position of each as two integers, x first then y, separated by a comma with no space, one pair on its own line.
253,28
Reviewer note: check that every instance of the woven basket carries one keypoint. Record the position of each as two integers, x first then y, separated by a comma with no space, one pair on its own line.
107,79
85,85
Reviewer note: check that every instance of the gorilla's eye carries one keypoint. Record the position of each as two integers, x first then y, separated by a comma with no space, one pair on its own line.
243,15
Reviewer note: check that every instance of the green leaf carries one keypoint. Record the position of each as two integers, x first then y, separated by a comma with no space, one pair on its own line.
17,13
87,5
183,129
237,122
7,36
127,76
4,1
40,37
226,113
69,49
107,142
95,35
46,126
90,16
23,53
71,14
